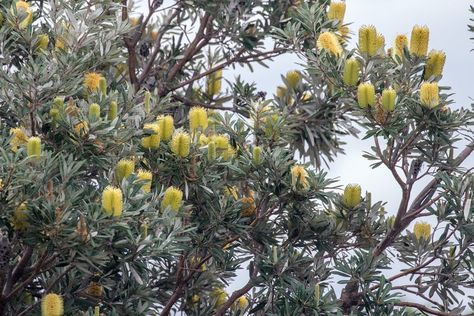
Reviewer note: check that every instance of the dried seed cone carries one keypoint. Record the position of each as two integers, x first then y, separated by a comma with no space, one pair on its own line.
52,305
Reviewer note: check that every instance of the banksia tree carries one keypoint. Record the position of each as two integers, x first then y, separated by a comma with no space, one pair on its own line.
138,177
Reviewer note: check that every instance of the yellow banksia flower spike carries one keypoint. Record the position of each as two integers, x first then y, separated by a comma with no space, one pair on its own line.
124,169
219,296
92,81
388,99
113,110
352,195
112,201
172,199
281,91
211,151
419,40
94,112
422,230
401,41
103,86
203,140
52,305
43,41
23,8
152,141
429,94
257,155
368,40
81,128
293,79
328,41
366,94
180,144
147,176
33,147
19,220
147,102
337,10
229,153
351,72
166,124
214,83
97,310
241,304
197,118
380,44
299,175
18,138
222,141
434,64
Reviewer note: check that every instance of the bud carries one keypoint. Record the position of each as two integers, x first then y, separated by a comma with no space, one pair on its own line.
112,201
317,292
23,9
147,102
144,229
152,141
214,82
147,176
94,112
58,103
429,94
166,124
388,99
419,40
351,72
211,151
281,92
352,195
197,118
293,79
422,230
257,155
124,168
434,64
299,175
92,81
54,114
219,296
368,40
103,86
180,144
172,199
380,44
401,41
43,41
19,220
241,304
33,147
336,11
328,41
52,305
113,109
274,254
366,95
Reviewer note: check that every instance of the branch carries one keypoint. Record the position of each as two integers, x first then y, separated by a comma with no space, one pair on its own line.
422,308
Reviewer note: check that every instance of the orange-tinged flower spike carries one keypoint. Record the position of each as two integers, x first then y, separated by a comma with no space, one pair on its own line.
293,79
124,169
18,138
33,147
328,41
366,94
154,35
211,151
147,176
368,40
52,305
152,141
336,11
214,83
92,81
434,64
299,175
219,296
166,124
429,94
103,86
113,110
388,99
180,144
23,8
352,195
198,118
112,201
419,40
401,41
43,41
351,72
94,112
172,199
422,230
281,91
241,304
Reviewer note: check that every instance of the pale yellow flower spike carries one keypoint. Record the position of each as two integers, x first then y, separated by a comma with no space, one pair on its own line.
352,195
52,305
401,41
368,40
198,118
429,94
172,199
419,40
180,144
299,175
336,11
422,230
112,201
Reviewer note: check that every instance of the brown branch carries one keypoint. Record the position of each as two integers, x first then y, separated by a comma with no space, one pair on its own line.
189,102
422,308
